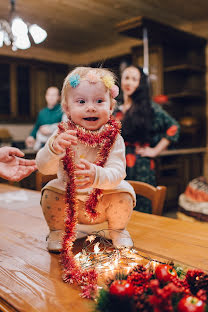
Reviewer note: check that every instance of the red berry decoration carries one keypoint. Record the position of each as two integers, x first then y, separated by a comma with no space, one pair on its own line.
165,272
191,304
121,288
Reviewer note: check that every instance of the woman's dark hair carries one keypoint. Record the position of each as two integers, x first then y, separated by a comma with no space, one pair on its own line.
137,122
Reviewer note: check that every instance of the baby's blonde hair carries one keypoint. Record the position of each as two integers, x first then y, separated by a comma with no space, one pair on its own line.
82,72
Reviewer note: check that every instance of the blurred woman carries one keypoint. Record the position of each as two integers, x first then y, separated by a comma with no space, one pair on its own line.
146,128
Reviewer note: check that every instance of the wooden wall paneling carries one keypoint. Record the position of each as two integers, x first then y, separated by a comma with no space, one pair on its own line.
56,75
50,77
41,84
32,92
155,66
40,75
59,77
13,89
156,70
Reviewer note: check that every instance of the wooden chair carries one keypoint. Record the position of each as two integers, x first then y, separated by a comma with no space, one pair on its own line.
41,179
155,194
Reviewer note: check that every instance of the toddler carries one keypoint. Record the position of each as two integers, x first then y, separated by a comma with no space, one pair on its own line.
88,155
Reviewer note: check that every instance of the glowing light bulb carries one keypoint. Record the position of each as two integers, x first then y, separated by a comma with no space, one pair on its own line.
19,28
38,33
96,248
7,41
1,38
22,42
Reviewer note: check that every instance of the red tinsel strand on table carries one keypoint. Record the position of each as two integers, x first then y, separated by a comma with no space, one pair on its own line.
72,272
89,287
105,139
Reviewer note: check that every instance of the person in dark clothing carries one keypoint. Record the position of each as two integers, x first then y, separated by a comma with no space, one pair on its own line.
47,118
146,128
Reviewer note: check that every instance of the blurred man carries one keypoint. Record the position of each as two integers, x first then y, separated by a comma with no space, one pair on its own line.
52,114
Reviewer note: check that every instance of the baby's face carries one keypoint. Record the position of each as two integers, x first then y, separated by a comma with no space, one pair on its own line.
89,105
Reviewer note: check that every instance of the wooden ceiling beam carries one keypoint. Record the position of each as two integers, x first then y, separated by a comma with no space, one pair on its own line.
102,53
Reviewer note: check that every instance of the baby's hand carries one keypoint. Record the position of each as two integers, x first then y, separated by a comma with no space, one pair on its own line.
64,140
85,176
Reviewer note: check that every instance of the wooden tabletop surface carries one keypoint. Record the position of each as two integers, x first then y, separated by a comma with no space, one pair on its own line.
30,277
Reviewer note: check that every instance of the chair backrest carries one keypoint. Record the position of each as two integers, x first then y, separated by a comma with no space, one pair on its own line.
155,194
42,179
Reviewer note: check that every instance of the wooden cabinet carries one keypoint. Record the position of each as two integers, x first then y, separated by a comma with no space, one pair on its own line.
184,84
22,87
155,66
176,170
176,69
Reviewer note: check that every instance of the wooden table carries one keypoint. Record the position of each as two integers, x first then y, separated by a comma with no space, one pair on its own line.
30,277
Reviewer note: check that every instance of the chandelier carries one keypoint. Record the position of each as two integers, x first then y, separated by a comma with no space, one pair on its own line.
18,33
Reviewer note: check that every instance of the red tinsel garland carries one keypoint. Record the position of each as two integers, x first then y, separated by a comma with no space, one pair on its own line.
104,139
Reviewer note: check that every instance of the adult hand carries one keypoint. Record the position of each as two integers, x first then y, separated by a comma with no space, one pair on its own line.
64,140
85,176
7,153
12,167
30,141
146,151
153,151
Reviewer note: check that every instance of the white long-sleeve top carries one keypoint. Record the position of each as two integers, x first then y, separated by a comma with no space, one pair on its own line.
109,178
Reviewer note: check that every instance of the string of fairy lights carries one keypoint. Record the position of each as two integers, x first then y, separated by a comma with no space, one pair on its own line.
99,253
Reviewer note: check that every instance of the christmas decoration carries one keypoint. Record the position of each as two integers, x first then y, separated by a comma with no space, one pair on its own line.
191,304
164,291
99,253
121,288
104,139
165,272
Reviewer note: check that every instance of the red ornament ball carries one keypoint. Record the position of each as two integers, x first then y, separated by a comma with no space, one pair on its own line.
191,304
121,288
165,272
